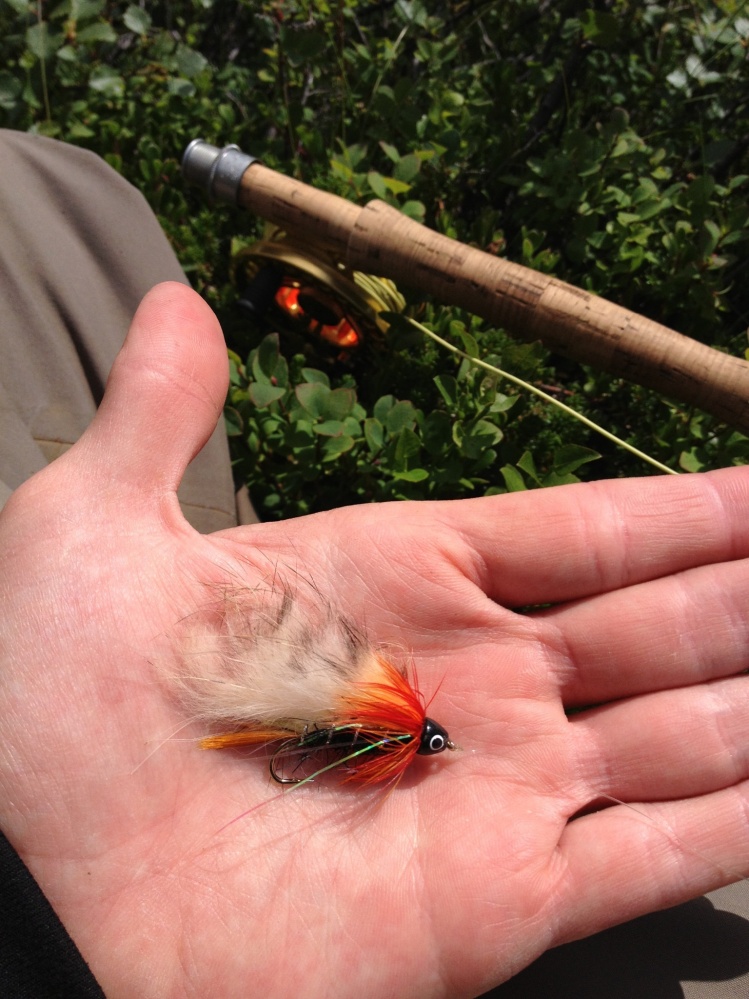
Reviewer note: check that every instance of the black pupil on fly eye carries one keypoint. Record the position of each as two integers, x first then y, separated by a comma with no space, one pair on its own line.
434,738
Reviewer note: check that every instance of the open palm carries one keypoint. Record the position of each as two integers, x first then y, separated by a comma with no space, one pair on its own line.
467,870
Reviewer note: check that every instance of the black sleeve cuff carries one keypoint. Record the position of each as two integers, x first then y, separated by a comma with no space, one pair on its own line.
38,960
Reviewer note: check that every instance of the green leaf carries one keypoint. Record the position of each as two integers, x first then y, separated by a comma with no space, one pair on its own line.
528,465
263,394
235,368
513,479
10,90
336,446
571,456
697,69
329,428
313,397
689,461
485,462
265,358
407,167
555,479
43,42
300,434
414,210
412,475
233,422
85,10
180,87
448,389
384,185
473,441
486,433
407,447
189,62
78,131
396,186
68,54
377,182
339,403
503,403
401,416
382,407
713,237
390,151
303,44
316,377
107,81
137,20
97,33
452,100
437,432
600,27
374,435
281,373
469,341
352,427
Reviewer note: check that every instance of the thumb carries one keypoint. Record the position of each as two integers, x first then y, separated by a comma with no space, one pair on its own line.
164,395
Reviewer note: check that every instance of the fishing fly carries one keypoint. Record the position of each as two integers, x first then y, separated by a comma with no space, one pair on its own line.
277,666
273,667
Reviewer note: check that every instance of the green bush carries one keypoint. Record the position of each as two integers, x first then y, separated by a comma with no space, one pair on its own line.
606,145
308,446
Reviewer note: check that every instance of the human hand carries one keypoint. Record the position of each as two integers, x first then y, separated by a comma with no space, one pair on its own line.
469,868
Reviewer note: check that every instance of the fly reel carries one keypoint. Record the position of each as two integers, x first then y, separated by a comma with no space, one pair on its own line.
296,288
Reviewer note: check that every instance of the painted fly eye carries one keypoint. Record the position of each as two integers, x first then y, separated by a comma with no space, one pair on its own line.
434,738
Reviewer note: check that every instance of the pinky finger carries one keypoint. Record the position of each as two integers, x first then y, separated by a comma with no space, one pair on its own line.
628,860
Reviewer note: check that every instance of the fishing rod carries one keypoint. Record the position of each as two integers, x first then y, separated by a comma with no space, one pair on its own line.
379,240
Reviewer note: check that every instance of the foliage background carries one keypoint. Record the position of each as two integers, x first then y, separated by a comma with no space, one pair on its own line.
605,143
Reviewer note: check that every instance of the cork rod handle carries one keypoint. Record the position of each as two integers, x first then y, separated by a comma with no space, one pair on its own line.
377,239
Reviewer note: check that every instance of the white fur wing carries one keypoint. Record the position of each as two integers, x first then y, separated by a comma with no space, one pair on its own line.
268,658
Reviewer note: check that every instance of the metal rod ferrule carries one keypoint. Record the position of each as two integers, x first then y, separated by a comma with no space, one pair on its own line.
217,171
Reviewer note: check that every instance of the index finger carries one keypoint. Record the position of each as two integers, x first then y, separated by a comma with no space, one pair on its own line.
561,544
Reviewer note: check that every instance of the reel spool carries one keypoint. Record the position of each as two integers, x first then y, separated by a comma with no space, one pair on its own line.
296,288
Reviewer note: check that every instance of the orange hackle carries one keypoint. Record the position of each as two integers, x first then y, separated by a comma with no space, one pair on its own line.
385,708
